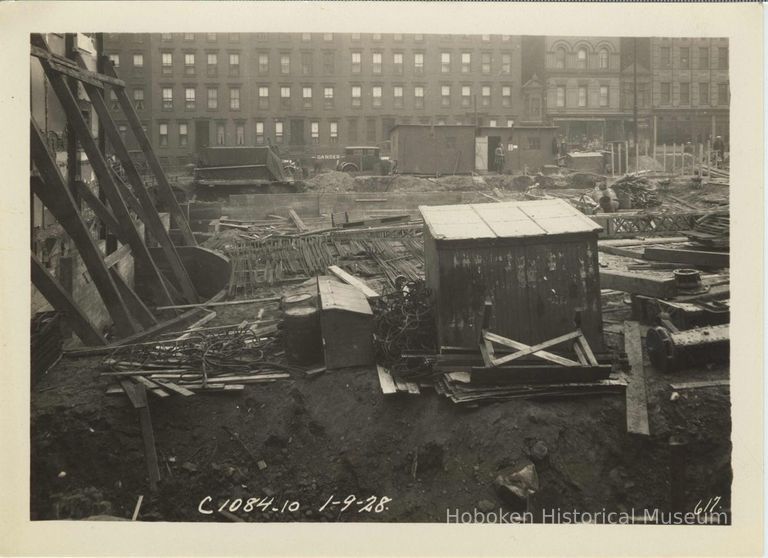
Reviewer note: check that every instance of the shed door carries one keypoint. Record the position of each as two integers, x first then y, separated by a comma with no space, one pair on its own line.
481,154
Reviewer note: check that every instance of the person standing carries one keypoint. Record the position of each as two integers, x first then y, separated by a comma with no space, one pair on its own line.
719,148
499,159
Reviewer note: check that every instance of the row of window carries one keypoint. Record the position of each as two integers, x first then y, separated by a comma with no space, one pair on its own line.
327,132
580,59
703,60
307,37
684,98
464,63
464,95
190,98
582,96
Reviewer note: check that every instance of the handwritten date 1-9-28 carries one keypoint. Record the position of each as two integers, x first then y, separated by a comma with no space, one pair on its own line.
371,504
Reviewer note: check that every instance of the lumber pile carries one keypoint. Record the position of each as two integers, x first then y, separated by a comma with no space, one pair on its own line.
217,359
642,191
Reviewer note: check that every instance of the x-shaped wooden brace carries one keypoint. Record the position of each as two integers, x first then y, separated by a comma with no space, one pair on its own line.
580,347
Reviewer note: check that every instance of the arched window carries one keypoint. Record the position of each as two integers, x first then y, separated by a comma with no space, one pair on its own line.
581,57
603,57
560,57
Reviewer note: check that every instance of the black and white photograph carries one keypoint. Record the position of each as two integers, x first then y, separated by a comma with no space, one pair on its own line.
297,274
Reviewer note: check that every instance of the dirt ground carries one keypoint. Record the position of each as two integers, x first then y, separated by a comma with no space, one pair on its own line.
336,435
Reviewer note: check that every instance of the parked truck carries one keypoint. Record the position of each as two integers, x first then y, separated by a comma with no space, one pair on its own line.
364,160
221,171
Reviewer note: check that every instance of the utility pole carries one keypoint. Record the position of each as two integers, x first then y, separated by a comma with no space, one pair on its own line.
634,85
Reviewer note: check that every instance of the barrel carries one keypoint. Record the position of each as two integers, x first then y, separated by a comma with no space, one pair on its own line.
303,343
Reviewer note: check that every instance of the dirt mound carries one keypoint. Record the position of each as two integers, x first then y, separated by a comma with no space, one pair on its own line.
332,181
645,163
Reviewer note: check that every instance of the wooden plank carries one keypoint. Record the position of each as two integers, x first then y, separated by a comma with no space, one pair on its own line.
149,212
116,257
580,354
350,279
636,396
148,436
297,220
127,227
54,194
538,374
62,302
635,283
688,257
205,319
175,388
386,381
520,346
138,308
163,187
153,388
533,349
702,384
587,350
225,303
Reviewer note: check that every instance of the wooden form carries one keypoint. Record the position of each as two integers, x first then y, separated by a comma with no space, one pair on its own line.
53,192
62,301
127,228
128,312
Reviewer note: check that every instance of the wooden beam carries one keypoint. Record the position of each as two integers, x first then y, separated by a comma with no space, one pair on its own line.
99,165
139,309
702,384
635,283
62,302
539,374
149,212
39,49
163,187
54,194
297,221
117,256
688,257
350,279
138,396
101,211
636,396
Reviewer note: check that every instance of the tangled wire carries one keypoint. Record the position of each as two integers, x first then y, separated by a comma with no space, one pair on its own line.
236,349
405,325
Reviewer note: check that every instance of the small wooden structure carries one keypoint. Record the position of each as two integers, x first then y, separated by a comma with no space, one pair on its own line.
346,323
536,261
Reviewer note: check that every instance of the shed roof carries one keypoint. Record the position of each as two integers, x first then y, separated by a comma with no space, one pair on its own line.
505,220
339,296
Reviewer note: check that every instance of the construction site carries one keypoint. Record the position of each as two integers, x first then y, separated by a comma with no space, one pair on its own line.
460,318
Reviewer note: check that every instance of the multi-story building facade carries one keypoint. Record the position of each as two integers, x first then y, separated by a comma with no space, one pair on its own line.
690,88
312,93
582,87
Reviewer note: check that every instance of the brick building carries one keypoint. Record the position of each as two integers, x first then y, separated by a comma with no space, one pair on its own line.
582,87
312,93
690,88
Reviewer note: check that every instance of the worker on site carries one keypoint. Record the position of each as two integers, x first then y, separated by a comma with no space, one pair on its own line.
499,159
606,197
719,148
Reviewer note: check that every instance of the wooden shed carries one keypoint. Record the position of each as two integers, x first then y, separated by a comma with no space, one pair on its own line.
424,149
537,261
346,323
